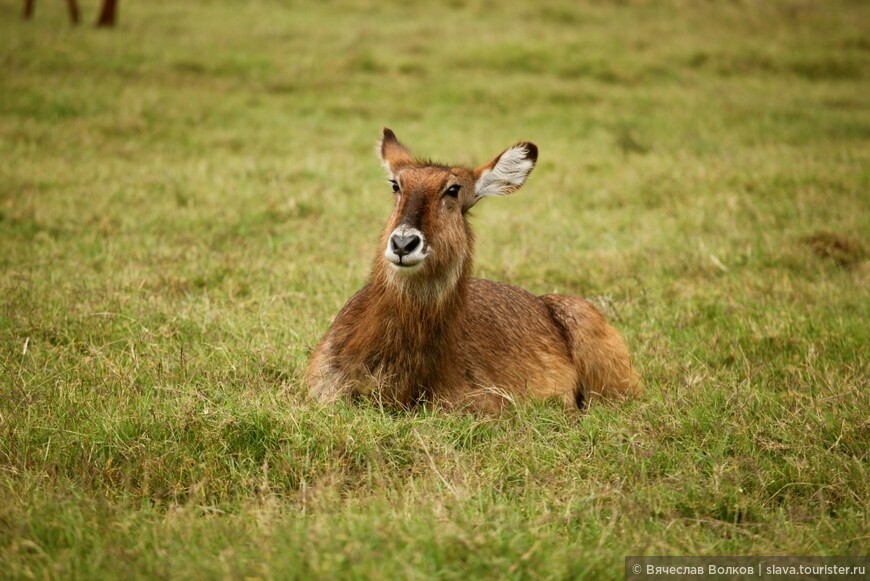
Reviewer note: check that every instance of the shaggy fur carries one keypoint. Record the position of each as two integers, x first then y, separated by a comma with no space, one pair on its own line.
436,335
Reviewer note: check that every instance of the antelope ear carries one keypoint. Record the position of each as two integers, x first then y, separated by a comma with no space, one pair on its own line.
392,153
507,172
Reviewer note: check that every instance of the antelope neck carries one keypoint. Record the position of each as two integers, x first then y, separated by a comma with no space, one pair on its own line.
414,315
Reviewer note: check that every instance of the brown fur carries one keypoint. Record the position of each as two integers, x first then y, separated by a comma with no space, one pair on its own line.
442,337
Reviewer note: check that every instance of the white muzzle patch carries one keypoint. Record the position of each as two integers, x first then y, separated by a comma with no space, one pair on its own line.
406,249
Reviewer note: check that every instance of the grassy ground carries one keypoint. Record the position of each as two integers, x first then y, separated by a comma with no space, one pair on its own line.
186,201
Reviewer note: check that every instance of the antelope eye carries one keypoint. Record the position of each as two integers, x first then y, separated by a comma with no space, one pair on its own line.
453,191
395,185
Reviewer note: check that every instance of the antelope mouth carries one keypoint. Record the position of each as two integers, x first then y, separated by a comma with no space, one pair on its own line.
406,249
407,268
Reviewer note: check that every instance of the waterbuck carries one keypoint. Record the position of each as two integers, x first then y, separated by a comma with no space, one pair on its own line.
423,331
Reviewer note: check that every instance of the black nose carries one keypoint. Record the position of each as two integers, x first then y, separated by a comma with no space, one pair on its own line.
404,245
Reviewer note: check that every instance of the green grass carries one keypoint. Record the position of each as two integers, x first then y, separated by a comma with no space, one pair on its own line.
187,201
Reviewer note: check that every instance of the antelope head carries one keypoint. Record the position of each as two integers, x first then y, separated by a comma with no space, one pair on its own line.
428,239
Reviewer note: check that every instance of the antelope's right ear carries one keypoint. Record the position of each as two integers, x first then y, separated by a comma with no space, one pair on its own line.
507,172
392,153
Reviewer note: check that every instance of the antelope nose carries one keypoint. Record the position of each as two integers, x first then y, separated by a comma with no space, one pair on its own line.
404,245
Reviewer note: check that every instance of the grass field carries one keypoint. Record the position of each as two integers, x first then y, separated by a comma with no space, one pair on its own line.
186,202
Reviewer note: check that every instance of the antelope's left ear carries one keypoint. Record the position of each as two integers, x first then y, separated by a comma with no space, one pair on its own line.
392,153
507,172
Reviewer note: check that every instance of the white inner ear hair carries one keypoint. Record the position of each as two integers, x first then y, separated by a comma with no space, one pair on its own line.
509,173
379,151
